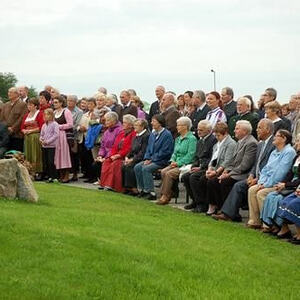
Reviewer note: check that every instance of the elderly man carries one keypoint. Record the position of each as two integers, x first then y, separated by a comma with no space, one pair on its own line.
229,105
112,103
76,114
243,159
170,113
128,107
203,156
238,195
23,93
270,94
12,114
201,109
293,105
244,113
155,106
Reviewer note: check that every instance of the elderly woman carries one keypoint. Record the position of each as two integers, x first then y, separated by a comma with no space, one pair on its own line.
157,156
31,126
62,151
138,149
111,175
214,158
284,188
112,103
100,104
277,167
273,111
184,152
216,114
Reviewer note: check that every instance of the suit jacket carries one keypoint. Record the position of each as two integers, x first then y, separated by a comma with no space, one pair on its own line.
171,115
204,152
225,153
230,109
130,110
199,115
243,158
265,156
154,110
12,115
117,108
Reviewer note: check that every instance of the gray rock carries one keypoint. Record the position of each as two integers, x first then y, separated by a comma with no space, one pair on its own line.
25,188
8,178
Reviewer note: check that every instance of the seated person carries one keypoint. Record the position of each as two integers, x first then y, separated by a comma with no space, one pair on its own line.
288,212
184,152
283,189
111,172
279,163
138,150
4,139
204,150
219,187
158,153
238,194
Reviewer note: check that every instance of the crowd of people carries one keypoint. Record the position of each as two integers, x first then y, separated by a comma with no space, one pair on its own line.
229,154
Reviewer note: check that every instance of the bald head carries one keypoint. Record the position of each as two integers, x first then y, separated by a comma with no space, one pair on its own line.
13,94
167,100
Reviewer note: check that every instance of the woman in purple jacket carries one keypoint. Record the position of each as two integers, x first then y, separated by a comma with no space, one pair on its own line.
113,127
48,138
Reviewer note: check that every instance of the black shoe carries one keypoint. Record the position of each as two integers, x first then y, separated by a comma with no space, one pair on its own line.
100,187
142,194
199,209
190,206
286,235
150,197
92,180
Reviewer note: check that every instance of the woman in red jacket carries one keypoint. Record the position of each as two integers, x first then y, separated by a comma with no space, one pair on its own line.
111,173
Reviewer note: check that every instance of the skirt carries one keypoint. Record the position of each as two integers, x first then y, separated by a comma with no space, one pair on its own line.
270,207
289,209
111,174
62,157
33,151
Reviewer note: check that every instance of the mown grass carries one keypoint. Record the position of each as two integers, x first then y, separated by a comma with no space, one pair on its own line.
84,244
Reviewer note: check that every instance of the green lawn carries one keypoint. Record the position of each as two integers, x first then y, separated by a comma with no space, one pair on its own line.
85,244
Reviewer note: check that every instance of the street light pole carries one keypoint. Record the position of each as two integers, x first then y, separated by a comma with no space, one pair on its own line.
214,73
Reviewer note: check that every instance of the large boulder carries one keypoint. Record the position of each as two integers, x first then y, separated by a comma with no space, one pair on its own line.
8,178
15,181
25,188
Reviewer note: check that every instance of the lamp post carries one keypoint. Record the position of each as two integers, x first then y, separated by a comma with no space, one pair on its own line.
214,72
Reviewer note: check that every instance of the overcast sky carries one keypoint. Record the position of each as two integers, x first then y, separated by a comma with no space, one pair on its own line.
78,46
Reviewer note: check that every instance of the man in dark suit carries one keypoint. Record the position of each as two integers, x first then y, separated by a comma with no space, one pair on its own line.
203,156
201,109
155,106
229,105
238,195
242,162
23,92
128,107
269,95
170,113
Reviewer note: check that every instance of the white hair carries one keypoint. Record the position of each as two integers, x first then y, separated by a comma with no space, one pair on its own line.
205,123
245,125
245,100
186,121
129,118
111,115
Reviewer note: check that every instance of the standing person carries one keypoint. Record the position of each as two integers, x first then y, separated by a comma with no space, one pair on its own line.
216,114
31,126
23,92
112,103
229,105
77,115
4,139
62,152
155,106
128,107
11,115
180,106
48,139
140,105
44,98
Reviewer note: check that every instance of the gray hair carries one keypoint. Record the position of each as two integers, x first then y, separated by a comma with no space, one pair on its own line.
102,90
229,91
100,96
111,115
245,125
272,92
73,98
245,100
200,95
129,118
269,124
113,97
132,91
185,121
160,87
205,123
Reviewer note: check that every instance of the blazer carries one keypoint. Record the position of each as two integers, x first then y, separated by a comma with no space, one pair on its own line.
171,115
225,153
130,110
230,109
265,156
12,116
204,151
138,147
243,158
199,115
154,110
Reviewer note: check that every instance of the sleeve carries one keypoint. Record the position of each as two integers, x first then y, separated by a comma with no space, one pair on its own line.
102,150
174,154
189,156
22,111
69,120
127,144
228,155
23,122
42,134
55,133
40,119
167,148
77,119
139,156
148,153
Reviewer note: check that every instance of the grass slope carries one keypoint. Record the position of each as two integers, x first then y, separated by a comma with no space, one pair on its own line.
78,243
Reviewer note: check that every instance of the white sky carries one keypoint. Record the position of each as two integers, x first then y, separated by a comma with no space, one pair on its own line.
78,46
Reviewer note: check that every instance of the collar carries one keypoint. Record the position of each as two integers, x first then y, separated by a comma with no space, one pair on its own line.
141,133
